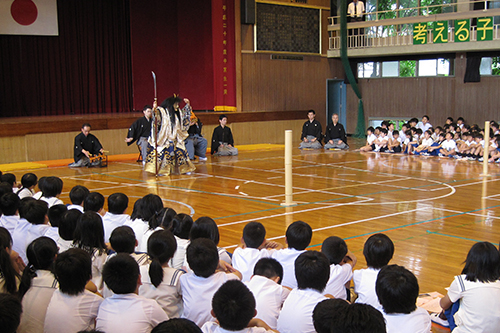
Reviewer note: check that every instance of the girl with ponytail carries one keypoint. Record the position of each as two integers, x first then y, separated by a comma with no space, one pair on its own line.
38,283
9,277
159,281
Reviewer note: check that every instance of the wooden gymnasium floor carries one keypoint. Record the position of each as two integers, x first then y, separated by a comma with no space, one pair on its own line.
434,209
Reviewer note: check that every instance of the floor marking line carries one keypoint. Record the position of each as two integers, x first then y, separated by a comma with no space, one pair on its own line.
458,237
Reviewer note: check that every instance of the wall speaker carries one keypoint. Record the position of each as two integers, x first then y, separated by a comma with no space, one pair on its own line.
247,11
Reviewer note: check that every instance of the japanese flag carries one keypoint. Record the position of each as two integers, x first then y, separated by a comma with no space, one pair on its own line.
28,17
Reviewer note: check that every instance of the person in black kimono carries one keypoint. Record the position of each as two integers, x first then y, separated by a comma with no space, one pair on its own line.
86,145
335,137
222,139
140,131
311,132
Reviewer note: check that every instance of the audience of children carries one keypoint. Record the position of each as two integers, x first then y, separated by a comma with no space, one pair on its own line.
116,215
181,227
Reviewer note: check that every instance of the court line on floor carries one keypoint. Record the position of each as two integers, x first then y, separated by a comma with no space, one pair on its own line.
474,183
478,215
459,237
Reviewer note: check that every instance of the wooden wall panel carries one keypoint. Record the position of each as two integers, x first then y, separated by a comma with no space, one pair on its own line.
13,149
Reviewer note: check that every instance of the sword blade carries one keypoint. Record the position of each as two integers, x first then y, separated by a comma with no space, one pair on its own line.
154,81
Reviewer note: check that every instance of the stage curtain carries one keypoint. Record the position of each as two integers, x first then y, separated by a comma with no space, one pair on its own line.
86,69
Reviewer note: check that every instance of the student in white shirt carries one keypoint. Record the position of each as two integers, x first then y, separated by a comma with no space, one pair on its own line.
448,147
426,143
67,228
72,308
397,291
77,197
161,220
394,143
8,270
52,188
159,281
312,272
126,311
325,312
10,178
266,287
115,216
205,227
94,202
254,246
38,283
55,215
298,237
382,141
370,138
28,182
181,227
378,251
123,240
341,264
9,206
233,306
199,287
144,210
424,125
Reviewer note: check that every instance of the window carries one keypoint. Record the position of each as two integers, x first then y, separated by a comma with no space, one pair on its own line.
490,66
412,68
390,69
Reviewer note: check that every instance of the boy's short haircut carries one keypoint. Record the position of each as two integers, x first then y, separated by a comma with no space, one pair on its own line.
56,214
123,239
312,270
419,131
67,225
358,318
93,202
270,268
384,130
9,203
10,313
117,203
35,211
428,132
370,129
73,269
176,325
29,179
397,289
233,305
413,120
335,249
202,257
120,273
5,188
460,118
395,132
378,250
52,187
205,227
9,178
254,234
325,311
298,235
23,206
181,225
426,116
222,116
78,194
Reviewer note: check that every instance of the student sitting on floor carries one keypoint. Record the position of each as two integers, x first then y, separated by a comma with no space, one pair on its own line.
122,240
270,295
423,148
436,146
28,182
144,210
324,313
298,236
67,228
181,227
370,139
115,216
233,305
342,263
77,197
52,188
9,206
254,246
177,325
397,291
199,287
94,202
9,270
395,143
449,147
72,308
381,141
126,311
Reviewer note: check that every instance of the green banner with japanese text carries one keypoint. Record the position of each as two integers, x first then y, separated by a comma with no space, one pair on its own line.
440,32
419,33
462,30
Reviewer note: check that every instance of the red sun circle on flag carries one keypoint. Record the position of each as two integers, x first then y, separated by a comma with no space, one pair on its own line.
24,12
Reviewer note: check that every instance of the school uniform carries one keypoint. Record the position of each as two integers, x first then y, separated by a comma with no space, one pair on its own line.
112,221
24,234
52,201
144,237
98,261
139,226
35,302
287,257
72,206
168,294
213,327
364,286
449,145
419,321
339,276
140,258
129,313
9,222
24,193
67,313
223,255
64,244
177,260
296,315
244,260
370,138
197,293
269,298
382,145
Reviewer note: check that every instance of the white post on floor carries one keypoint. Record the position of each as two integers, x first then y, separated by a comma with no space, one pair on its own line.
288,170
486,151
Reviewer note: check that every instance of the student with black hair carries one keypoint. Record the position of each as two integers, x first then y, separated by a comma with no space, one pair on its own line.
55,216
28,184
10,178
5,188
72,308
298,236
160,221
94,202
233,305
476,292
181,227
52,188
176,325
9,273
266,287
397,290
342,262
326,311
67,228
38,284
122,240
39,194
199,286
126,311
378,251
159,281
9,206
77,197
89,236
148,206
205,227
312,271
10,310
253,247
115,216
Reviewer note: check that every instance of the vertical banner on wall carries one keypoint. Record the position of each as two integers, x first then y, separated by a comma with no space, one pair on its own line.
462,30
440,32
484,28
224,57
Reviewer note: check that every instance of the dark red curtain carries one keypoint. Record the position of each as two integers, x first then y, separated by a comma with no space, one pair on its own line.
86,69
